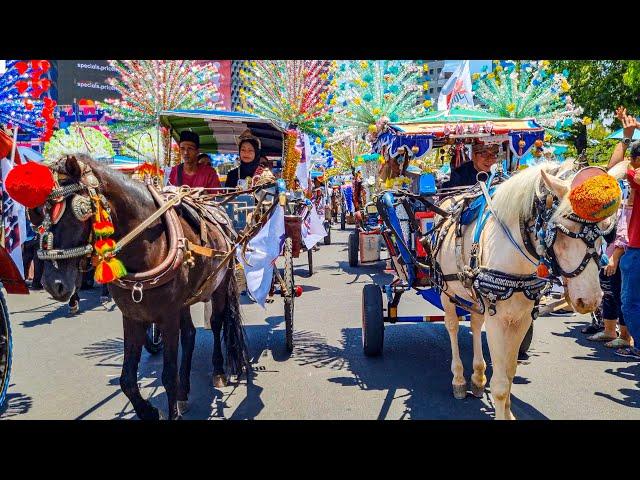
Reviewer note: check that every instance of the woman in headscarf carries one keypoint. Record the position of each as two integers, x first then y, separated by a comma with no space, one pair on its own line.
249,152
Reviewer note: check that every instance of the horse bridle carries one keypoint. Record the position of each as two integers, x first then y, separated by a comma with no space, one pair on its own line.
83,208
546,233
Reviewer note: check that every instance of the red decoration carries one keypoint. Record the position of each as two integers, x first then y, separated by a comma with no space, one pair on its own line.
28,104
22,86
30,184
22,67
542,271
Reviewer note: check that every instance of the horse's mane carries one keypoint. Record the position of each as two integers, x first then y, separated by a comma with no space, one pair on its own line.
514,198
136,190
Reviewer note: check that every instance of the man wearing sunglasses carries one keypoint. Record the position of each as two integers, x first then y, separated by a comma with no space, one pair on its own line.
484,156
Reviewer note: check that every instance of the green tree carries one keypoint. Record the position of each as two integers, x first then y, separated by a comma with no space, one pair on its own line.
600,86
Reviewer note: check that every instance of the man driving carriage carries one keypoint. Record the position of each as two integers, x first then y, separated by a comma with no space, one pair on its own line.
483,158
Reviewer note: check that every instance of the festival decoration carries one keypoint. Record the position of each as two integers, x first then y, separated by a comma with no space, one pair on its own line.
78,139
147,87
526,89
144,145
292,156
372,92
108,268
292,92
21,88
30,184
596,198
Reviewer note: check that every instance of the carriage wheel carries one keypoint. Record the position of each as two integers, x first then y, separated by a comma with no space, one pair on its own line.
327,239
288,299
153,340
6,347
526,341
372,321
343,220
352,249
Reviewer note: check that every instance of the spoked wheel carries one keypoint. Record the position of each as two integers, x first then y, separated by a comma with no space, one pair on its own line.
372,321
526,341
352,249
6,347
290,296
153,339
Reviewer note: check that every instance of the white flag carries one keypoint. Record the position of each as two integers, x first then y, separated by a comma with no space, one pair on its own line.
457,90
262,252
3,66
302,171
313,229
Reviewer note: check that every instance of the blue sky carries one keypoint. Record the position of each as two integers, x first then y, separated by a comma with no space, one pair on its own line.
476,65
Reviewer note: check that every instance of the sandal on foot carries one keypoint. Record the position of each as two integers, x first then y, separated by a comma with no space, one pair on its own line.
617,343
601,337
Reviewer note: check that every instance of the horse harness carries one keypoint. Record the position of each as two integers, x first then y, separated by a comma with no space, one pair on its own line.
180,250
487,286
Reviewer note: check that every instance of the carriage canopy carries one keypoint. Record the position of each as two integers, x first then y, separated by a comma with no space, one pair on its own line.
439,128
218,130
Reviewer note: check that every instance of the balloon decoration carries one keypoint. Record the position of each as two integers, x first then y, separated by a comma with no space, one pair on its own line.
521,89
21,98
296,93
78,139
373,91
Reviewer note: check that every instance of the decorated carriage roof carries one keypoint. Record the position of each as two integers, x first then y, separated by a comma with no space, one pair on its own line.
218,130
435,129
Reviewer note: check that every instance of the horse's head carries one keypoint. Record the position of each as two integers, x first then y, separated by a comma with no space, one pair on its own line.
66,221
572,245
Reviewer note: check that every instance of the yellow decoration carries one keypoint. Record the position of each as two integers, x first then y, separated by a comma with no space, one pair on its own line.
596,198
491,75
425,86
372,128
544,63
425,68
292,156
427,103
475,76
357,101
586,121
511,107
565,86
364,64
376,111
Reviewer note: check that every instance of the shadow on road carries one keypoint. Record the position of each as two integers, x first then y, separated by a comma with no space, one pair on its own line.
89,300
16,404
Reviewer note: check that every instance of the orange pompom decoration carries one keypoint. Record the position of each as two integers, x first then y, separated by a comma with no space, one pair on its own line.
542,271
30,184
596,198
104,246
109,270
103,229
538,143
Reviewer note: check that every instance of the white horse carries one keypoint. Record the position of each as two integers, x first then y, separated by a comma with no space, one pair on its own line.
506,329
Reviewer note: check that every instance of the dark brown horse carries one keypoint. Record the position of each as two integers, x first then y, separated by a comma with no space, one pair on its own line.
166,305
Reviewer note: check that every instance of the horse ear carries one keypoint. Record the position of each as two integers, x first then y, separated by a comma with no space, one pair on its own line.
557,186
73,167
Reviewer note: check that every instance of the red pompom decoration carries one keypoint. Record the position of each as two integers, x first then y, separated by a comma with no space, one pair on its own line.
30,184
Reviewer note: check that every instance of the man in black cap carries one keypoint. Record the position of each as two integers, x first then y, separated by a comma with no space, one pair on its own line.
190,172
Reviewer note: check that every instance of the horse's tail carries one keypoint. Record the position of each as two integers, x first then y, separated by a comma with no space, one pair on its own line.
237,352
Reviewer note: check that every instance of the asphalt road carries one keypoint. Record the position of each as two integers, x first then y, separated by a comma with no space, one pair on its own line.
68,367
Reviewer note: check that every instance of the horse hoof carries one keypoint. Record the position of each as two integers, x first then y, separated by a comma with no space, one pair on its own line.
183,407
219,381
74,309
477,390
459,391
